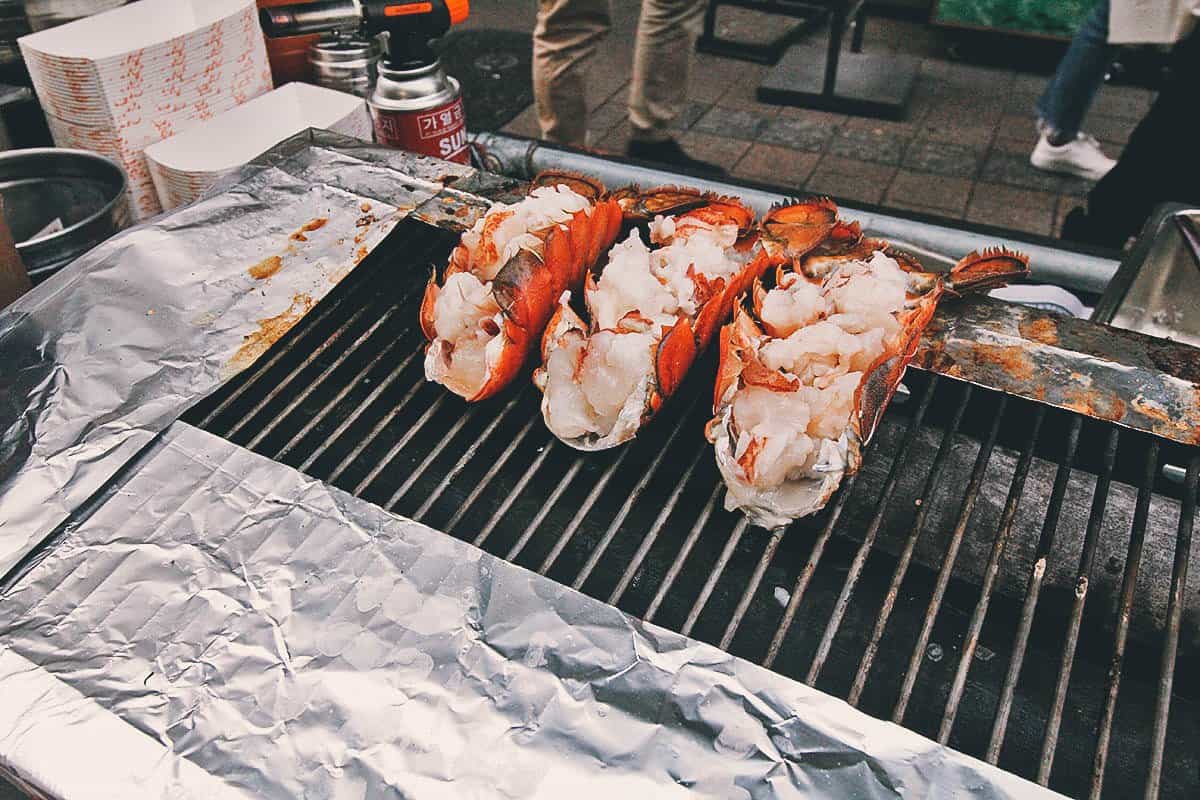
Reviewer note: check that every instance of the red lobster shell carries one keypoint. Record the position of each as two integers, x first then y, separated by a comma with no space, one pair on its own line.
673,348
774,503
524,291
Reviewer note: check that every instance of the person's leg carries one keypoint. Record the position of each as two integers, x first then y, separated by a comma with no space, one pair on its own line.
666,35
566,35
1159,164
1069,94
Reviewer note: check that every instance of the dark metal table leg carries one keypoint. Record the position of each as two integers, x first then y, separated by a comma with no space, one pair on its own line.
837,27
710,20
860,26
860,83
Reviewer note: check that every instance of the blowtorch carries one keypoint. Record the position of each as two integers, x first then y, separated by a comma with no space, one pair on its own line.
415,105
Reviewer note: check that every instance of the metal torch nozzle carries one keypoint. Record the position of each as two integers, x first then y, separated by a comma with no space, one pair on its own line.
300,18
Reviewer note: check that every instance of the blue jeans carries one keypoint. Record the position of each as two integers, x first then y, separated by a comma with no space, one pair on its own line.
1067,97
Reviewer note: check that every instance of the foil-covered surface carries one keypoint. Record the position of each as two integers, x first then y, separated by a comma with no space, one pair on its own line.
256,631
111,350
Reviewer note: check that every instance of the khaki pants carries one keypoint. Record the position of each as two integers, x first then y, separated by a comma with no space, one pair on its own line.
568,33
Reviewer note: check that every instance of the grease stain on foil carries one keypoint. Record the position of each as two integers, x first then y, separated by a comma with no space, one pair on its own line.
266,268
300,234
270,330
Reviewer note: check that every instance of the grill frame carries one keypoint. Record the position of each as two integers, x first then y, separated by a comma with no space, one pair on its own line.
348,337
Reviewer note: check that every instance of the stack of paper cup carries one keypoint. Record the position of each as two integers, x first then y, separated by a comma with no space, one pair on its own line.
187,164
117,82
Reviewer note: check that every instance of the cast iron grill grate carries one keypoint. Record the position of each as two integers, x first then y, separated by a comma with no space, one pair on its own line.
1001,576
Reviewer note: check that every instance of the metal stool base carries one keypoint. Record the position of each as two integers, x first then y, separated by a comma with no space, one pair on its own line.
865,84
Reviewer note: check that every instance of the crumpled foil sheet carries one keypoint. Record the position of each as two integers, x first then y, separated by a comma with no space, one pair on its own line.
264,633
111,350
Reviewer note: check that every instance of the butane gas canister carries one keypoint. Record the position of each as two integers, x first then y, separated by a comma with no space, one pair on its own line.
419,109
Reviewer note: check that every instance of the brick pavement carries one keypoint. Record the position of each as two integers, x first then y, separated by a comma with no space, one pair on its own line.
962,152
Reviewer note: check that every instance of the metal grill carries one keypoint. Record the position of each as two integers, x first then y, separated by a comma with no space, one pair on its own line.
980,581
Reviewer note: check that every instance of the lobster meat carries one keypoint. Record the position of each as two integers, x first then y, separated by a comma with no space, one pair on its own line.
504,279
652,310
815,352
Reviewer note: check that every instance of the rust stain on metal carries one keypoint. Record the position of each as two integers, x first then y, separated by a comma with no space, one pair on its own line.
1150,409
266,268
1176,359
308,227
1042,330
365,220
1096,404
365,207
1147,384
1014,360
361,254
1164,423
270,330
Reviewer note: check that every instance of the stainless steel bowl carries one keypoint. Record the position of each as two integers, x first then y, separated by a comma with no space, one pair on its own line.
60,203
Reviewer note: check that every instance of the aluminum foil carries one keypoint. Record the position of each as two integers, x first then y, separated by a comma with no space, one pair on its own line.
111,350
220,620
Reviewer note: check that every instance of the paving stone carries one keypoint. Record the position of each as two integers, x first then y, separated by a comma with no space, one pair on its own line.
1023,102
616,141
749,26
720,150
1022,146
966,113
895,203
781,166
608,114
930,191
1030,82
1124,102
813,115
1109,129
905,128
799,134
848,179
1009,207
981,97
963,131
913,38
742,91
730,122
1066,204
1015,170
1017,126
882,148
711,77
1076,187
1068,184
956,73
603,87
748,102
525,124
691,112
943,158
920,107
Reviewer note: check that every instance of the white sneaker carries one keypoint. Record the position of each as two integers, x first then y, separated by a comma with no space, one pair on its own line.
1081,157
